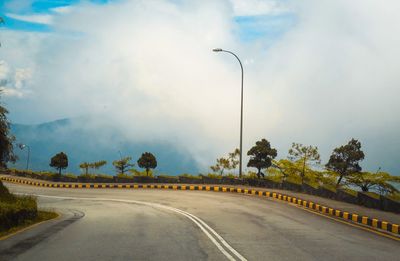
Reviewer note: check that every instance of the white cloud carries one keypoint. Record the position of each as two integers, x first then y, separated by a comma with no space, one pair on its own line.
259,7
147,68
38,19
12,81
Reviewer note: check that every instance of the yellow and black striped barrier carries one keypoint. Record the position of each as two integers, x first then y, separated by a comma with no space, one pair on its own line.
366,221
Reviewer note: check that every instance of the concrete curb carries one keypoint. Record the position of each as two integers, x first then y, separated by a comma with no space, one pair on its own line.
351,217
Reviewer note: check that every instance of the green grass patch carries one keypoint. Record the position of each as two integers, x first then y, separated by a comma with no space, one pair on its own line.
293,180
186,175
312,184
104,176
41,216
329,187
372,195
124,176
350,191
16,210
394,196
214,176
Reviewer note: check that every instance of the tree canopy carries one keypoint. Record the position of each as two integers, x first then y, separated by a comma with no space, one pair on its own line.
123,165
59,162
6,140
304,155
345,160
229,163
92,165
381,182
261,156
147,161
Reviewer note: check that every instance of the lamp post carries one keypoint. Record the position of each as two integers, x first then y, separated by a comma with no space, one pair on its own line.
241,109
23,146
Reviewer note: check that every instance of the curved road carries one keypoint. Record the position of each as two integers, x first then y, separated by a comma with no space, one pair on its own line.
119,224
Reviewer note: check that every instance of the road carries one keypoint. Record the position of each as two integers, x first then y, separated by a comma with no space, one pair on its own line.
123,224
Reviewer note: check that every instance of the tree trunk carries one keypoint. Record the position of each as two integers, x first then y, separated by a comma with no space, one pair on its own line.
147,172
339,180
259,173
59,171
304,170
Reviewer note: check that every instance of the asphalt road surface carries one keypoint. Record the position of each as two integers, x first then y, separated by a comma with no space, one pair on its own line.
145,224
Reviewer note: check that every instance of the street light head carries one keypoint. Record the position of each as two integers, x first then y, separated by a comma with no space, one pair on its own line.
21,146
217,50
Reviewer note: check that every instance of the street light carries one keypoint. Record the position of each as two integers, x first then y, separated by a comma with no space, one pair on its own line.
241,108
23,146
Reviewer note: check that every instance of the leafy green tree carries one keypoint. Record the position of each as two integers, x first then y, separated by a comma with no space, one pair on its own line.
147,161
306,155
85,166
222,164
6,140
285,169
231,162
261,156
123,164
92,165
345,160
233,158
59,162
379,181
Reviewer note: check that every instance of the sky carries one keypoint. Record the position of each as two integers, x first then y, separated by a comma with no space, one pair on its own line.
315,72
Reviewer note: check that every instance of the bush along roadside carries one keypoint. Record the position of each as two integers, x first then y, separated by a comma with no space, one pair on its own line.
17,212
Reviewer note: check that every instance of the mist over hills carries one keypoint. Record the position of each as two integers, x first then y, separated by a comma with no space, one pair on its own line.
83,142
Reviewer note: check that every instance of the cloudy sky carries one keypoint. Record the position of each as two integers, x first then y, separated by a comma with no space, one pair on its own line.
316,72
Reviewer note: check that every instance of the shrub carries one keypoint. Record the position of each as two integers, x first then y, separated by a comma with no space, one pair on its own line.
104,176
16,212
186,175
214,176
124,176
250,175
72,176
350,191
142,173
330,187
88,176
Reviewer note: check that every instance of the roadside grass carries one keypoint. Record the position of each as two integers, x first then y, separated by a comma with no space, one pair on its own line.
18,212
41,216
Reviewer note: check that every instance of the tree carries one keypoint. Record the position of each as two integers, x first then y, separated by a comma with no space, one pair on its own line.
345,159
123,164
85,166
98,164
231,162
233,158
379,181
92,165
261,156
6,140
305,155
147,161
59,161
222,164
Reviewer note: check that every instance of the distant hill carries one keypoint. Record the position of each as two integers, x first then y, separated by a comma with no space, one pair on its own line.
83,143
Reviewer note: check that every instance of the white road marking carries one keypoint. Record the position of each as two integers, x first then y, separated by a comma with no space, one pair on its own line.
200,223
